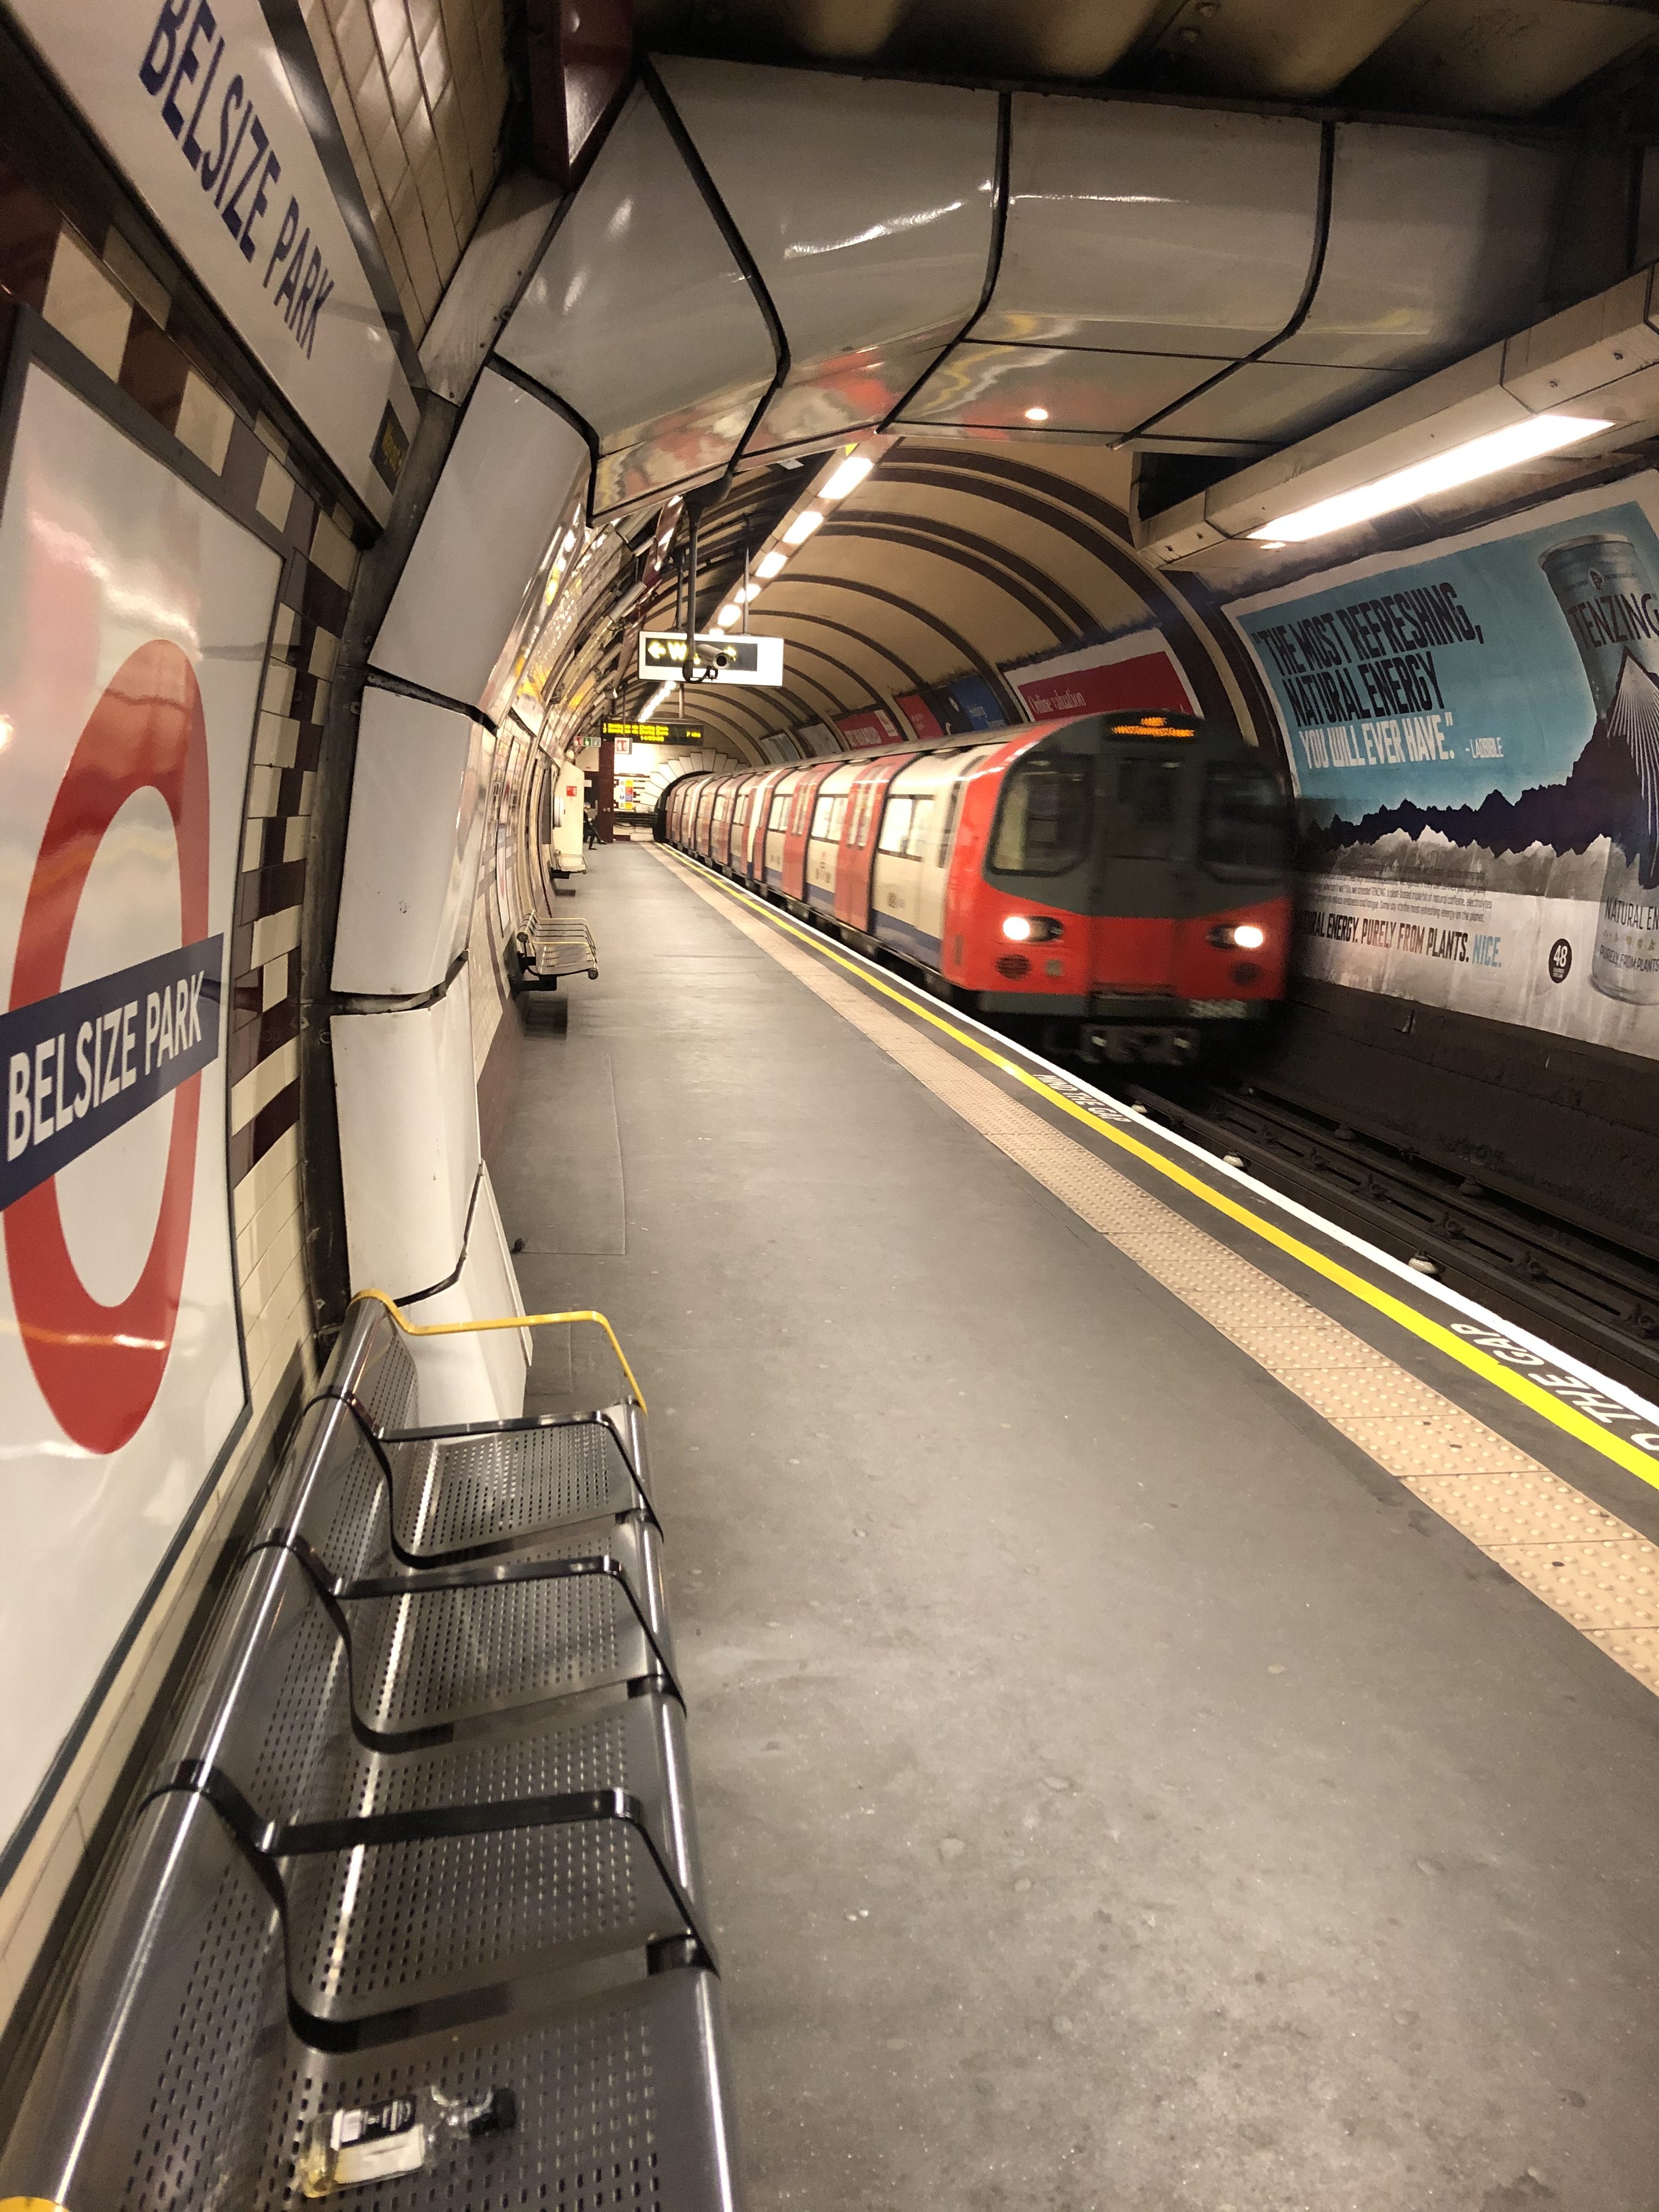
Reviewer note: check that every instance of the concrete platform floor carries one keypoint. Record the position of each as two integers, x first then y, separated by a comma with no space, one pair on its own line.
1116,1795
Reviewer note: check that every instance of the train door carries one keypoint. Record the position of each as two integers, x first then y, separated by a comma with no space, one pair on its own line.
738,850
858,850
752,866
823,836
934,857
800,827
777,816
706,799
719,821
904,842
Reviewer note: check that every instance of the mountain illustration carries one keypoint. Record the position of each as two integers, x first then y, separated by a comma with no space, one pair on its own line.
1611,791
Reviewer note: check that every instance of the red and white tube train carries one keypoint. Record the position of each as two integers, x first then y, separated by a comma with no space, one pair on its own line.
1121,880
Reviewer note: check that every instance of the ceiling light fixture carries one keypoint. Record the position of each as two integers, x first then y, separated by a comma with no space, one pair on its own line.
1459,464
773,565
802,527
1037,414
728,614
848,478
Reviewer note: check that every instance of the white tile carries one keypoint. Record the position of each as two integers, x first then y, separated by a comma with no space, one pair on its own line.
296,832
87,305
263,1084
262,789
274,933
332,552
276,493
205,422
323,647
274,980
277,693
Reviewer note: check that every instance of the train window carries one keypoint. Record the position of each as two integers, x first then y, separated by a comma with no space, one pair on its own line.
896,825
1245,822
1043,822
1140,812
779,810
822,815
920,820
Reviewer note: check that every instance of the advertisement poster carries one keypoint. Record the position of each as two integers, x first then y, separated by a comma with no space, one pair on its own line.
1114,675
1474,730
134,617
953,709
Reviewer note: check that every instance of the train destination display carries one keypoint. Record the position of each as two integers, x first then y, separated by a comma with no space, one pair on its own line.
1474,731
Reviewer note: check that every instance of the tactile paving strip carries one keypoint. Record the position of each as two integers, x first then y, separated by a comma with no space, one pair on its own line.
1605,1579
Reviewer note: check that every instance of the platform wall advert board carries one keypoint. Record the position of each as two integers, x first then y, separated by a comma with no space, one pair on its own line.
1473,732
134,618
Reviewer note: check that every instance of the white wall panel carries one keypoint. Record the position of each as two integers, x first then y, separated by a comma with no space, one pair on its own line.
867,209
1439,242
639,318
1269,401
511,474
994,386
482,1377
1153,229
408,1140
411,858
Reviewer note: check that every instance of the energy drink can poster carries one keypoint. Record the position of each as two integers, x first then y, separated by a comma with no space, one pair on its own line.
1474,731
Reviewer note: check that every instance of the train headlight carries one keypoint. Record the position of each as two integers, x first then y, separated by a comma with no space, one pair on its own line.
1243,936
1030,928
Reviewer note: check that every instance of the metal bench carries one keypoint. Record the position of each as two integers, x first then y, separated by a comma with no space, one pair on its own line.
458,1490
422,1830
180,2074
414,1865
544,950
573,1608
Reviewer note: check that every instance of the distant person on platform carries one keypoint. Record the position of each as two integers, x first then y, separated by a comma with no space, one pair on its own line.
590,825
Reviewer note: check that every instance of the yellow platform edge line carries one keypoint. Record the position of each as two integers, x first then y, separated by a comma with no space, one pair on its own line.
1582,1426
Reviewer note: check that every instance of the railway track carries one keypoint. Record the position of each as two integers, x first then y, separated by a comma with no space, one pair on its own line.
1593,1296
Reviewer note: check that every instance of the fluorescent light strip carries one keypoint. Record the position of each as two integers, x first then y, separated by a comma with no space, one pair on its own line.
773,565
803,527
1459,464
848,477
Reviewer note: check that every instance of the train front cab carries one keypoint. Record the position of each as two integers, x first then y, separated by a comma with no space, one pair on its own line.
1125,882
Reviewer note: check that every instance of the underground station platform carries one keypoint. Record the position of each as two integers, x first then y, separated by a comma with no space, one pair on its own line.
1173,1699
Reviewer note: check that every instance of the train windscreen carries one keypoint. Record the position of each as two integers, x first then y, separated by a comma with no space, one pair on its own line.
1244,821
1044,821
1140,806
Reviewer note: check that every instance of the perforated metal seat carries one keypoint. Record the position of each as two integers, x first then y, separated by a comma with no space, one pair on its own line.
467,1489
413,1870
176,2077
580,1607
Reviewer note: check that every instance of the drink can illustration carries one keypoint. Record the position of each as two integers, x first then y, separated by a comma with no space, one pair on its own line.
1609,596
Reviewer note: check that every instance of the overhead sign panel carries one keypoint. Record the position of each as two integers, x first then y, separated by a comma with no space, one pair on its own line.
653,733
720,659
194,102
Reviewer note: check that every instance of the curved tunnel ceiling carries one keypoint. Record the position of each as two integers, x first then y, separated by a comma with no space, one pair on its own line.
1026,300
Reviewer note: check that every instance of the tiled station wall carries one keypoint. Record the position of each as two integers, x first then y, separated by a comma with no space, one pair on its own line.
97,294
420,89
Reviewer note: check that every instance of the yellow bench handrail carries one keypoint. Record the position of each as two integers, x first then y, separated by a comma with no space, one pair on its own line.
508,1320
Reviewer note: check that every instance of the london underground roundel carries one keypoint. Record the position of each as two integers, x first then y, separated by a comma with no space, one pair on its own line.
99,1366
